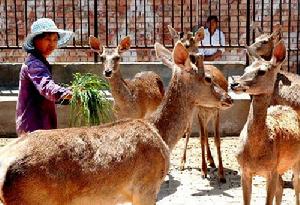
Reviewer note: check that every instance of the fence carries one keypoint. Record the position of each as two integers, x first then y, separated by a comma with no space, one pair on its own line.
146,22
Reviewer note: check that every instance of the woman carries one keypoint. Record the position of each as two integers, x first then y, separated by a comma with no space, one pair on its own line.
37,90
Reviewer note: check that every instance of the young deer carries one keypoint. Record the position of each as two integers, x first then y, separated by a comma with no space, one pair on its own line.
135,98
204,114
287,85
270,139
117,163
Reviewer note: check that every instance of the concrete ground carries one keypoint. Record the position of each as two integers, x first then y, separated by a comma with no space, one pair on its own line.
188,188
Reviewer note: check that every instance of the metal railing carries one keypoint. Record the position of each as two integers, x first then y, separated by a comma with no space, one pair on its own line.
146,20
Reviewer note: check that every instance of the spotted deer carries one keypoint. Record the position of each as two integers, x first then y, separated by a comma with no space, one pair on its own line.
134,98
270,139
204,114
287,85
117,163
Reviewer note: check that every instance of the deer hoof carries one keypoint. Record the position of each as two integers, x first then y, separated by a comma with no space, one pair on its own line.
181,167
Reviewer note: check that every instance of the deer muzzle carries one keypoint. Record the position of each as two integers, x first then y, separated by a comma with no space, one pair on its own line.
107,73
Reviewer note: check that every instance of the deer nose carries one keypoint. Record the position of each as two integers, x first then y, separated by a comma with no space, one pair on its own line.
233,85
108,73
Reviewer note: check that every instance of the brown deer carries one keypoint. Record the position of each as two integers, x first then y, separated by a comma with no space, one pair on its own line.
121,162
270,139
204,114
135,98
287,85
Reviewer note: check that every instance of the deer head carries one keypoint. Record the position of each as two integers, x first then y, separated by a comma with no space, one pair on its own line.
259,77
200,82
190,41
110,57
264,43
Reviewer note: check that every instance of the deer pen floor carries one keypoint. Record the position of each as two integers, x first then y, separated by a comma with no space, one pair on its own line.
187,187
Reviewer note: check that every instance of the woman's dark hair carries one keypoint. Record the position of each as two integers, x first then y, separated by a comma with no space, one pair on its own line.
210,18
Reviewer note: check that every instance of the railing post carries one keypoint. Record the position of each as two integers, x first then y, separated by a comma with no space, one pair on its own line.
248,28
95,27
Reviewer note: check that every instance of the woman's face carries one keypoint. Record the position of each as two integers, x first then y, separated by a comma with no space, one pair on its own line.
46,43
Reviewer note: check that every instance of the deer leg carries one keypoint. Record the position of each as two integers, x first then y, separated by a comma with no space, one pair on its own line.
279,191
296,181
203,131
146,198
208,152
246,180
218,146
187,137
272,183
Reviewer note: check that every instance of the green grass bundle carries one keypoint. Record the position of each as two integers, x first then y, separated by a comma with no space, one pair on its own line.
89,103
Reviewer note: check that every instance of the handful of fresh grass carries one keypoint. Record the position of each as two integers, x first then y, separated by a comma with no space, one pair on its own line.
89,103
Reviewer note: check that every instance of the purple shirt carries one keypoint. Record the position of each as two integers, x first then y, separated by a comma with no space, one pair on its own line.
37,96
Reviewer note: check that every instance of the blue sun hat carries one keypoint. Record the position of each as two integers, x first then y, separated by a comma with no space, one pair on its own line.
43,25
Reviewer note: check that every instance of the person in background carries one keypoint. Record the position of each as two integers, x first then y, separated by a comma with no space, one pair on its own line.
37,91
213,37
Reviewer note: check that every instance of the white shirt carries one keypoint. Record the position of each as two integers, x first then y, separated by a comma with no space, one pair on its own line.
217,39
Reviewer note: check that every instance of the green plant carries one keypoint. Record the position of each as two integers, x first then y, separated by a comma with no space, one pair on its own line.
89,103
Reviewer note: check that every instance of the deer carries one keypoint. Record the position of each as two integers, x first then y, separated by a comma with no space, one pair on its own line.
120,162
287,84
133,98
204,114
270,139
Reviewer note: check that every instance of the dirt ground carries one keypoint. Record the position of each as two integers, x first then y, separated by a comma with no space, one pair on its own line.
187,187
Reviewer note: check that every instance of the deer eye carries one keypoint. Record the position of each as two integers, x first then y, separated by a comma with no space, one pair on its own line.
207,79
116,58
102,58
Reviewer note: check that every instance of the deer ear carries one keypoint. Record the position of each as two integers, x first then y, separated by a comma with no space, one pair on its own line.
255,26
164,54
173,33
199,35
180,54
162,51
277,28
276,35
252,54
95,44
279,53
124,44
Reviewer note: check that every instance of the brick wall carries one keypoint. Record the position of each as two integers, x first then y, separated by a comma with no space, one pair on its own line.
156,14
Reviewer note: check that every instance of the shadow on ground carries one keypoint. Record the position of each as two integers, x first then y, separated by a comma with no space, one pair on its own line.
218,188
168,187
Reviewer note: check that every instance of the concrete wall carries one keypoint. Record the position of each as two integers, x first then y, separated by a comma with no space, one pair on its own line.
232,120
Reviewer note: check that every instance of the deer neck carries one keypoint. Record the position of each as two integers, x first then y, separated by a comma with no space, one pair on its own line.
175,111
256,122
119,88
